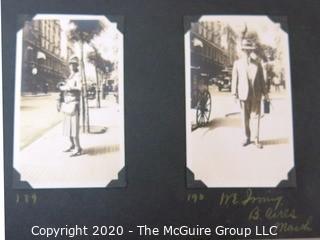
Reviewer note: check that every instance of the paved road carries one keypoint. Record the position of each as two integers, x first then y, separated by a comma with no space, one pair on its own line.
38,114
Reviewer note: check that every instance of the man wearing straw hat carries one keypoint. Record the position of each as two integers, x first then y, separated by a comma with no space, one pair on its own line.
248,85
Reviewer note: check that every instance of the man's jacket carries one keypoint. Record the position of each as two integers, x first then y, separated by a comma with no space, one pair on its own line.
241,73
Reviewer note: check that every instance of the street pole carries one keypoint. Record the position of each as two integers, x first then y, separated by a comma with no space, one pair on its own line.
97,77
34,72
85,119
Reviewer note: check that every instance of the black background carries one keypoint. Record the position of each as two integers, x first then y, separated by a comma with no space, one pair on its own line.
155,136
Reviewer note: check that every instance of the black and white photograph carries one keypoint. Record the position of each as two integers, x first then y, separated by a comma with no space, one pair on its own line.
69,116
238,102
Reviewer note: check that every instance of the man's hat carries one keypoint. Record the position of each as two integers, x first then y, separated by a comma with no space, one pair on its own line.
247,44
74,60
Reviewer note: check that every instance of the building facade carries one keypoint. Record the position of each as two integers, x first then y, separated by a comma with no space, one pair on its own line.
213,45
43,65
213,48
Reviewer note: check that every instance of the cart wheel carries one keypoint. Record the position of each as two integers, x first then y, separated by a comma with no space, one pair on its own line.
203,108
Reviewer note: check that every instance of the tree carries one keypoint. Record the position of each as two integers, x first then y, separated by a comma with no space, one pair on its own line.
264,51
101,65
83,32
96,59
108,66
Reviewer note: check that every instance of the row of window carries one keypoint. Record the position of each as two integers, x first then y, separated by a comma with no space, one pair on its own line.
212,35
50,46
49,34
214,32
50,30
54,65
45,34
212,53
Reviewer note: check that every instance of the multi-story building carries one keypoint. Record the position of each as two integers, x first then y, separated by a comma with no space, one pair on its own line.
207,48
43,66
213,48
213,42
229,41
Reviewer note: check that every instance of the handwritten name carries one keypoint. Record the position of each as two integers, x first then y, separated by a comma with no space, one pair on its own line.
235,199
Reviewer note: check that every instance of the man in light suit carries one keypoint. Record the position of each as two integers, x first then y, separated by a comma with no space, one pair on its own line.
248,85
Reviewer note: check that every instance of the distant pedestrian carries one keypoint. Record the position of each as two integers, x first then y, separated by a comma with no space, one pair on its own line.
276,82
71,107
104,91
45,88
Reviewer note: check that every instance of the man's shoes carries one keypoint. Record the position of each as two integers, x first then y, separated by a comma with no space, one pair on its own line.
69,149
258,144
77,153
246,143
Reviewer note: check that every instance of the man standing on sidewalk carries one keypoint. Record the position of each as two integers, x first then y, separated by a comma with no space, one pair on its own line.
248,86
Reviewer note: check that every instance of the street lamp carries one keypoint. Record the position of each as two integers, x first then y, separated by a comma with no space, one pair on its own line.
34,71
39,58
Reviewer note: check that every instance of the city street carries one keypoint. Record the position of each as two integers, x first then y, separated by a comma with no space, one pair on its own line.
215,153
42,162
41,106
46,56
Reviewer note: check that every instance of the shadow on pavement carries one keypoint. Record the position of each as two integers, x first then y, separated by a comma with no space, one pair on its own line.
102,149
230,122
97,130
275,141
27,108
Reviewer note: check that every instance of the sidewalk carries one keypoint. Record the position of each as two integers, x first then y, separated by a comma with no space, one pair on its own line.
43,164
217,157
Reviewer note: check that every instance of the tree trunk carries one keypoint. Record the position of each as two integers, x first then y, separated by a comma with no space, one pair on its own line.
98,93
97,88
86,107
97,77
83,107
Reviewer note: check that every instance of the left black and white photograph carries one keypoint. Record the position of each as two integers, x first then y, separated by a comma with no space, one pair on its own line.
69,110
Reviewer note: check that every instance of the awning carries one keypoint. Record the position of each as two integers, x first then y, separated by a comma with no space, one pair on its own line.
41,55
197,42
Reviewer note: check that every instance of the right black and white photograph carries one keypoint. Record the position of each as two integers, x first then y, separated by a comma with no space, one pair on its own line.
239,125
